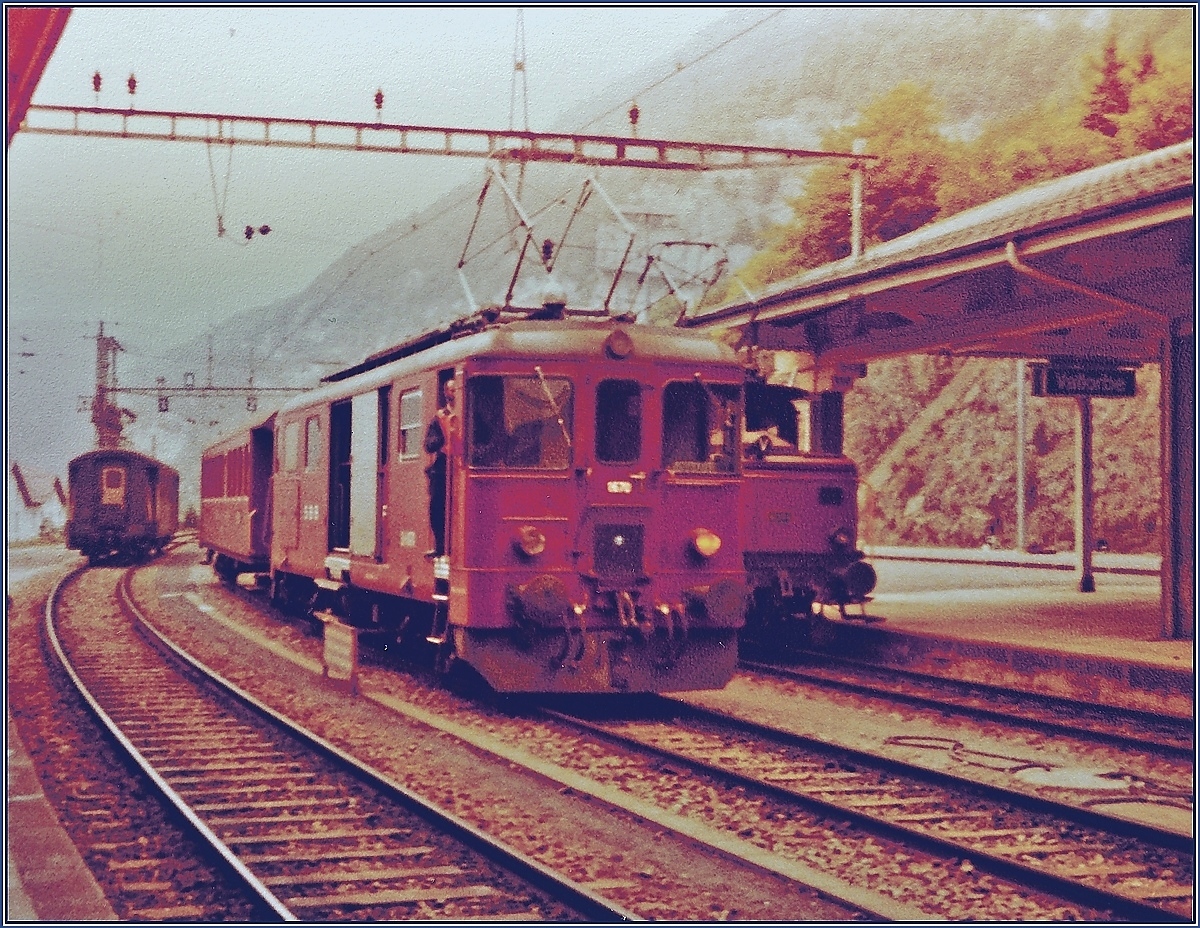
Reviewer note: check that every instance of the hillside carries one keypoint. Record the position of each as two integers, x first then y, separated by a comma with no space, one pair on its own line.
955,483
784,82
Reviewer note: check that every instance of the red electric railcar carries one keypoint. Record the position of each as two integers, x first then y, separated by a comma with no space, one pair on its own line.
799,511
592,498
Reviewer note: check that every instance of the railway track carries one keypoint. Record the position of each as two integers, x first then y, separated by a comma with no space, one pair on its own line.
1121,728
1127,871
308,830
885,871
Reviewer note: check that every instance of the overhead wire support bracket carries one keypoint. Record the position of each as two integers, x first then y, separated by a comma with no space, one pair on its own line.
511,145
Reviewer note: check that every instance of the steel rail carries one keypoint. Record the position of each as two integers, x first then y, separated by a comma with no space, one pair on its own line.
997,864
1160,837
588,903
205,835
1134,716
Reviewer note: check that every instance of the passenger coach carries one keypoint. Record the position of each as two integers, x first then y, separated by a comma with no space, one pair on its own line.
120,503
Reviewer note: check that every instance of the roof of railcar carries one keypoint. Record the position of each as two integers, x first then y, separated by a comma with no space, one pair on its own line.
570,339
238,437
124,453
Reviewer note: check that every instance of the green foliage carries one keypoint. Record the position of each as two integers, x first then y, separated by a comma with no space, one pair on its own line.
1124,104
1113,99
1109,97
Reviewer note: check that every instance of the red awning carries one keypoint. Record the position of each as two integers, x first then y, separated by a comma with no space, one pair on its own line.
33,33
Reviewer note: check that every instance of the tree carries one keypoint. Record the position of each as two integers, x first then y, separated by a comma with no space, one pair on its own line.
1161,108
1110,93
900,190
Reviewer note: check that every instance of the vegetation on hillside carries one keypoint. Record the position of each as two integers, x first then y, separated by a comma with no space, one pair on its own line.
958,485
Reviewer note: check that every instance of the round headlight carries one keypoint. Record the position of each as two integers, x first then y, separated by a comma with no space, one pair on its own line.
705,543
530,541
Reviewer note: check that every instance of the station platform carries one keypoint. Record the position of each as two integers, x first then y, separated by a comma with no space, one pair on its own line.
1032,631
46,880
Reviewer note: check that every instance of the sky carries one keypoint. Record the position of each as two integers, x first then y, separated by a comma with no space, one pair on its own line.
125,232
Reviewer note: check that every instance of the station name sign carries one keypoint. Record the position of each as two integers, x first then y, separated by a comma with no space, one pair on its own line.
1059,379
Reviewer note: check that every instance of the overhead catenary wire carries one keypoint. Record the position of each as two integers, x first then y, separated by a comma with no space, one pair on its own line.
471,195
680,68
220,200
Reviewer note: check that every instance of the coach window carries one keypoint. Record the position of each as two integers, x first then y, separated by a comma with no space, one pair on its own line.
312,442
291,447
618,421
112,484
520,421
701,427
409,442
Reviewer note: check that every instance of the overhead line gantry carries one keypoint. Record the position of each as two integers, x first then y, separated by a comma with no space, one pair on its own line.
503,145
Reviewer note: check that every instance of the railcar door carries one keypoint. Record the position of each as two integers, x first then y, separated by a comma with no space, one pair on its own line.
364,473
340,455
612,535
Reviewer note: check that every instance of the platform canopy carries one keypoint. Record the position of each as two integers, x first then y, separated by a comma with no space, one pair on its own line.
1098,264
32,34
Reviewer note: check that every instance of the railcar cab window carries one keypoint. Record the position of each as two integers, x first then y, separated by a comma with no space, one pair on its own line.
701,427
520,421
618,421
778,422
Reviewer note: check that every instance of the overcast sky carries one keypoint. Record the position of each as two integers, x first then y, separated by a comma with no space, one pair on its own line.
126,231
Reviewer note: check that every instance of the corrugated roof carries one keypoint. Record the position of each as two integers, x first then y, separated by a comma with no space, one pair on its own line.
1058,202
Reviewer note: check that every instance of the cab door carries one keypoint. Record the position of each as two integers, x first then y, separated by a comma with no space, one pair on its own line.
617,483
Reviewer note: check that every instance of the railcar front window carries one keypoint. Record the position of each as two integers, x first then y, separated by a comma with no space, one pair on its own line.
519,421
701,427
618,421
778,422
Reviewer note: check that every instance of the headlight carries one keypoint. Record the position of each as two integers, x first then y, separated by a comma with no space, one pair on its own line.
841,539
529,541
705,543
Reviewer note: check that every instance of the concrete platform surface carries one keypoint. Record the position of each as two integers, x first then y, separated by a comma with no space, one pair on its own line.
47,880
972,615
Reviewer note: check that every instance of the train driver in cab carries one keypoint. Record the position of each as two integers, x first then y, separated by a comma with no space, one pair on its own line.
439,442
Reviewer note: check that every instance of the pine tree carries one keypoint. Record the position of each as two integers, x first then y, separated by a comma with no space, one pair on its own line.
1110,93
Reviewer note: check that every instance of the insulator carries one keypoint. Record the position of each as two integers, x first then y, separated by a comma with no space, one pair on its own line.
264,230
132,85
249,233
547,250
634,113
163,404
96,81
379,99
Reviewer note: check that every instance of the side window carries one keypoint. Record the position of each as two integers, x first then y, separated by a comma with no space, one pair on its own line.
312,442
385,412
212,477
409,442
291,447
618,421
701,427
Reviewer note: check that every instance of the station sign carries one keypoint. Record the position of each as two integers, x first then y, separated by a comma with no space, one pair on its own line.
1066,379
